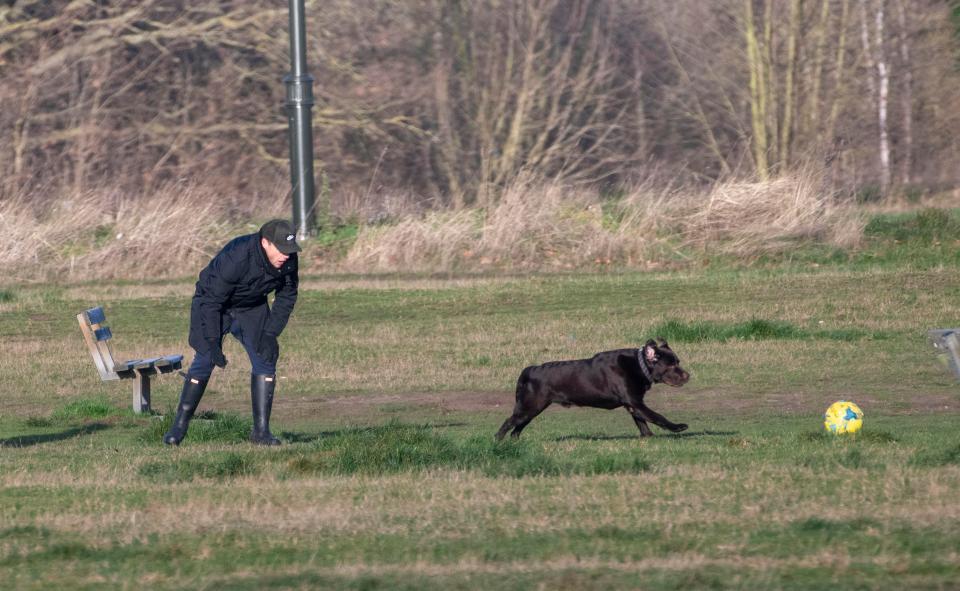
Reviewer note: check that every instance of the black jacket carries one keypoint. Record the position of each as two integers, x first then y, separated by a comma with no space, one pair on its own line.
236,284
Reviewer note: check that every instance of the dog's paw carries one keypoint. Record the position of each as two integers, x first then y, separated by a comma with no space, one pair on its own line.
679,427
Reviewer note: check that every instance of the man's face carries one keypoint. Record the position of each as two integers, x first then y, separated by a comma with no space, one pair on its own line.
276,258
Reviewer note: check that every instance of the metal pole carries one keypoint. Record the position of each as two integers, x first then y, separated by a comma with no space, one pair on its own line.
299,102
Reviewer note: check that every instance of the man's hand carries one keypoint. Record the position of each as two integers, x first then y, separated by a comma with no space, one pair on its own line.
269,348
216,353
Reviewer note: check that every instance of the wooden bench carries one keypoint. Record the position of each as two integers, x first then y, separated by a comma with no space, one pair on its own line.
947,343
97,335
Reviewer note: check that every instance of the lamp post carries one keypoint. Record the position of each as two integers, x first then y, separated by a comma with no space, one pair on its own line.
298,103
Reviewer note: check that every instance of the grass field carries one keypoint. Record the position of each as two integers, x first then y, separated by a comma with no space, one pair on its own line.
392,387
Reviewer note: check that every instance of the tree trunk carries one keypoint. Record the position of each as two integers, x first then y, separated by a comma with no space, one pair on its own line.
811,124
768,60
786,128
447,152
875,57
838,76
906,97
758,95
883,74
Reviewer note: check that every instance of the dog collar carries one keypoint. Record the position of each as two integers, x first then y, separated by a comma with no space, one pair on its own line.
643,366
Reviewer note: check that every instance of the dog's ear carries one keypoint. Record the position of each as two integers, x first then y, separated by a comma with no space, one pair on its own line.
663,344
650,352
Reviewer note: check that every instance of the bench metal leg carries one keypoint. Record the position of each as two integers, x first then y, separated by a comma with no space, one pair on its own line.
141,393
947,344
952,345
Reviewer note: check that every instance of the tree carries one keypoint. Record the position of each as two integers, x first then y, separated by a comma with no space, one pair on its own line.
872,13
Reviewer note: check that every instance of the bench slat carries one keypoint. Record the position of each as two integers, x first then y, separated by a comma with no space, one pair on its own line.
147,363
167,362
96,315
99,350
123,366
133,364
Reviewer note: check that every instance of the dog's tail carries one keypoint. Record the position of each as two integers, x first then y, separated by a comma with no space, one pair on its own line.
523,382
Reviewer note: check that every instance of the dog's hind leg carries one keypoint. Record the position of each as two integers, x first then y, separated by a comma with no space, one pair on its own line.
526,399
529,413
523,391
508,424
523,413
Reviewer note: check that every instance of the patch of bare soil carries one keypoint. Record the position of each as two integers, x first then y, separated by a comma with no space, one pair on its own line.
729,401
743,402
714,401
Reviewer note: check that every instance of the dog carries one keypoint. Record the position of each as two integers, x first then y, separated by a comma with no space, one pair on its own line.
609,380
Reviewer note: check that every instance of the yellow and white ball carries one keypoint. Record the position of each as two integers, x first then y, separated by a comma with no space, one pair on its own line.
843,417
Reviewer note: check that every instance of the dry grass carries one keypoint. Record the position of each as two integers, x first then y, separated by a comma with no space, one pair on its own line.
746,218
570,563
106,292
553,226
455,504
422,243
534,226
542,226
108,234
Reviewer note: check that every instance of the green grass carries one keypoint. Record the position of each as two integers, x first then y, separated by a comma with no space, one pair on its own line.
937,457
924,227
920,239
85,408
391,389
396,447
207,427
217,466
335,239
403,505
753,330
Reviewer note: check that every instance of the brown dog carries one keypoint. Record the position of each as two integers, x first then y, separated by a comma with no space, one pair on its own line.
607,380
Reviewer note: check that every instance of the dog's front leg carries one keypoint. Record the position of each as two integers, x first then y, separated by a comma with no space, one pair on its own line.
641,422
658,419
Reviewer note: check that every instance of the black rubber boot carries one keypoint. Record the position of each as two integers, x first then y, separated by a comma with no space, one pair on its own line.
261,395
193,389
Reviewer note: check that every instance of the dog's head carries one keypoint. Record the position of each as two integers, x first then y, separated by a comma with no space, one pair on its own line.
664,364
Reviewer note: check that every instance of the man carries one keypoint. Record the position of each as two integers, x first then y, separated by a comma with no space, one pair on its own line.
231,296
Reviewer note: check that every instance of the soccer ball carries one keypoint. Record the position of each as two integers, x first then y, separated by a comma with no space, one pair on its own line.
843,417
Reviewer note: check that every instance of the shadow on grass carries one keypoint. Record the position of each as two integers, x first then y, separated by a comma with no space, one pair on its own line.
298,437
30,440
597,437
301,437
637,436
703,433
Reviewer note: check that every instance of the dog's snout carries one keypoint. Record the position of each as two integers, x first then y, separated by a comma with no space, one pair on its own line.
677,377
